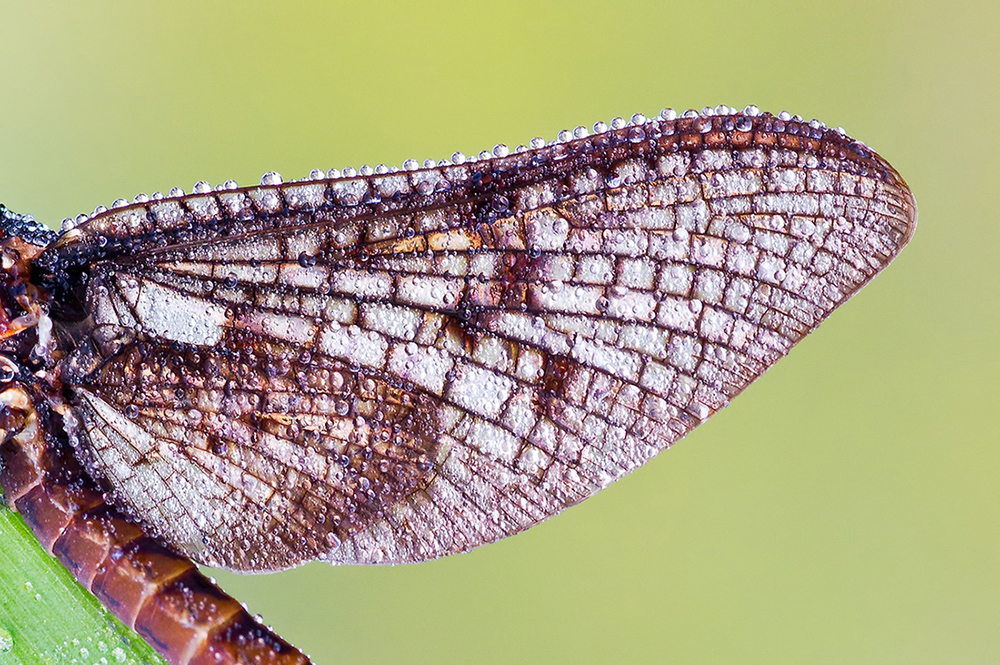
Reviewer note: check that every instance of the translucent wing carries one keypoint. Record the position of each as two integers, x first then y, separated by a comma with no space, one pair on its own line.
394,367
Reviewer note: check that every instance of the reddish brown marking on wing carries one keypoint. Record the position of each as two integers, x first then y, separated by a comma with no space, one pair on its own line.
555,372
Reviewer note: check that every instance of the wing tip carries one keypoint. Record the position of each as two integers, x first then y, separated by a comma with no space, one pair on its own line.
911,212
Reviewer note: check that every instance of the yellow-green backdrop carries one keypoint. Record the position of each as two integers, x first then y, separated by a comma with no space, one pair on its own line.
845,509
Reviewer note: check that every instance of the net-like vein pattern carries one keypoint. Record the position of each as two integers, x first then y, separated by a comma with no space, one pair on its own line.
395,367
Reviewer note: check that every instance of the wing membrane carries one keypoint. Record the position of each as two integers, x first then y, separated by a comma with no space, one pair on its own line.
395,367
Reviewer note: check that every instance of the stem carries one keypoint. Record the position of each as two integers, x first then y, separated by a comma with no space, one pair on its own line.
47,618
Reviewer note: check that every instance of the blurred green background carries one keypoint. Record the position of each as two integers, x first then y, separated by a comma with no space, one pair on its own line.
844,510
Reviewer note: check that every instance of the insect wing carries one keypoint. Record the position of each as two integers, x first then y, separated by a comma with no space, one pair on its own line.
387,368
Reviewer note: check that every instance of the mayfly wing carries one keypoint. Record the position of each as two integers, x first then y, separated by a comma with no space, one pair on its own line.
390,367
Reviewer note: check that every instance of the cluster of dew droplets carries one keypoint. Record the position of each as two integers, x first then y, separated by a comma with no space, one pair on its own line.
103,646
6,640
272,178
98,651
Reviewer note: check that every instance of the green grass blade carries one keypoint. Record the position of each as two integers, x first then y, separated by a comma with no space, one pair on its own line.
47,618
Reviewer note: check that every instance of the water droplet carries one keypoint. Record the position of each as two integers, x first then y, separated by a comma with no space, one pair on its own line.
6,640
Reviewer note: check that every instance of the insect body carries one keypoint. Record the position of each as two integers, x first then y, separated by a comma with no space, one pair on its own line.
396,365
